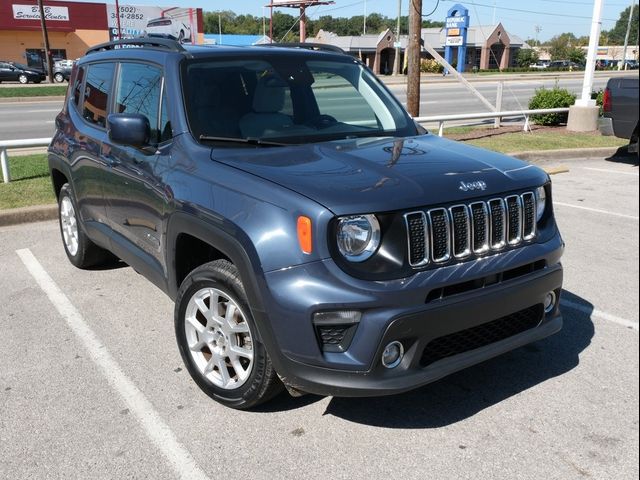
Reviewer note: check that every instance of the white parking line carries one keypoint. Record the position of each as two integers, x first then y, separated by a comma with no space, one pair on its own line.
633,174
183,464
596,210
600,314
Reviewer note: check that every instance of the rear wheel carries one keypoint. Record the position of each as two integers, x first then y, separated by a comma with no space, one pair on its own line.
218,339
80,250
58,77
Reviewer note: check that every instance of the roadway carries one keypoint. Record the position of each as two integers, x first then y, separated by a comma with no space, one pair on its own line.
35,118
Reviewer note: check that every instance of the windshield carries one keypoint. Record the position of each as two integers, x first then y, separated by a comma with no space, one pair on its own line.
289,99
21,66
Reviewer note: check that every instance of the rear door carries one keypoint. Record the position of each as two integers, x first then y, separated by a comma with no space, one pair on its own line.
135,192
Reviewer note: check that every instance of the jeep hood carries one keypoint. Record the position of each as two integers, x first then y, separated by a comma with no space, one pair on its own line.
385,174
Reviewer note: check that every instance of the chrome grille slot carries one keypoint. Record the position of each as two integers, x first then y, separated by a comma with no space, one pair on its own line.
460,231
514,220
498,221
416,223
440,235
480,227
528,216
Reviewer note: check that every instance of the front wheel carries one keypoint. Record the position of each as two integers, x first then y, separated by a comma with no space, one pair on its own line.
23,79
218,340
58,77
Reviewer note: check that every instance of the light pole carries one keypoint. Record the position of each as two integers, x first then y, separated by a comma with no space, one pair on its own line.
396,61
626,38
364,26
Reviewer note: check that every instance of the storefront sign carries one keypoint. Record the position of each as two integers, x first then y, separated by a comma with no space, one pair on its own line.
32,12
454,41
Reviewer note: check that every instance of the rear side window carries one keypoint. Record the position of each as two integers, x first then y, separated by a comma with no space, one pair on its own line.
96,93
77,86
138,91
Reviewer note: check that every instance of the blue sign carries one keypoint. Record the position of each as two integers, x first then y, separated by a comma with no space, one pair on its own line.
456,26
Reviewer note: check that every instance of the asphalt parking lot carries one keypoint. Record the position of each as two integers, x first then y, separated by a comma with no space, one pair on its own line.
92,385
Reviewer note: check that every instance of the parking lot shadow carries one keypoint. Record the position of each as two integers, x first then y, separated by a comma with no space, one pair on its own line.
622,155
470,391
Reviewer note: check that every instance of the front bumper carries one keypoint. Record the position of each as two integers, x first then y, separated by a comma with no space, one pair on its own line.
398,311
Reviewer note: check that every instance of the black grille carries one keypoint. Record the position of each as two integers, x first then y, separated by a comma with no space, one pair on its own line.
461,231
480,235
439,235
482,335
497,223
418,244
332,334
528,216
514,224
460,227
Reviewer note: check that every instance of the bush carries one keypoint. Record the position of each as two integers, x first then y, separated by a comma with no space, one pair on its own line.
598,96
526,57
430,66
551,98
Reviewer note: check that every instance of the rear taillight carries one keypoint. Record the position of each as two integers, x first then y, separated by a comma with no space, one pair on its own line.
606,100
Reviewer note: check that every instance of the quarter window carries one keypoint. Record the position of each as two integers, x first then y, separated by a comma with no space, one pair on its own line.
77,86
138,91
96,93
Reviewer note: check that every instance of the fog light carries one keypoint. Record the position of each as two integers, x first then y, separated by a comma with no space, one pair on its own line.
392,354
549,302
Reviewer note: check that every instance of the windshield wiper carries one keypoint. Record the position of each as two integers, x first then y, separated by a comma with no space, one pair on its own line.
246,141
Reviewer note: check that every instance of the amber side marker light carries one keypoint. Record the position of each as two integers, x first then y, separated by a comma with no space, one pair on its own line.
304,234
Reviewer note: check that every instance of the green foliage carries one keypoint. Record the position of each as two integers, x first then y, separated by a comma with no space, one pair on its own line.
598,97
615,36
526,57
283,23
47,91
577,55
430,66
551,98
30,183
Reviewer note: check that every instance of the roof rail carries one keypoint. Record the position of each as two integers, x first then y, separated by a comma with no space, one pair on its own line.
149,41
307,46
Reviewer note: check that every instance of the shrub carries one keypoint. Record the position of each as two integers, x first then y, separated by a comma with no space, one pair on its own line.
551,98
598,96
430,66
526,57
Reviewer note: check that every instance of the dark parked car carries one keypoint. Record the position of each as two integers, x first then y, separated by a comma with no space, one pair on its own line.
565,64
311,234
620,109
17,72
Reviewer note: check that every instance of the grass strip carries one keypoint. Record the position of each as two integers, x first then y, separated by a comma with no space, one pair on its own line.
30,183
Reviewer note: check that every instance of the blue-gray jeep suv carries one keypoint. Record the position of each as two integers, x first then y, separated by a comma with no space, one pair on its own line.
311,234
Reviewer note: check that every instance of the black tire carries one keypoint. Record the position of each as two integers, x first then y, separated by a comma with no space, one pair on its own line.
87,254
23,79
262,383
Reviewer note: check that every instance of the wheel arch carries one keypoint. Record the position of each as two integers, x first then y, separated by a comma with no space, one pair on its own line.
192,241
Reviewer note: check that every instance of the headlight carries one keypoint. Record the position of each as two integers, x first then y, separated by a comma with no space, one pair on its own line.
358,237
541,201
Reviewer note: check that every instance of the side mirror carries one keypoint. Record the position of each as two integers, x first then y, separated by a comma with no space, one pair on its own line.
129,129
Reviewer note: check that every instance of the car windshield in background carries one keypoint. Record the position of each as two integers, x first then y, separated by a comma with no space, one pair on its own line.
288,99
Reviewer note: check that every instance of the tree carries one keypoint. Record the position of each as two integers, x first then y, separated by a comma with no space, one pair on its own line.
526,57
577,55
560,45
616,35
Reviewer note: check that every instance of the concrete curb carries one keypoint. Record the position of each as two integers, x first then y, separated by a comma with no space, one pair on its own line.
565,154
37,213
31,99
40,213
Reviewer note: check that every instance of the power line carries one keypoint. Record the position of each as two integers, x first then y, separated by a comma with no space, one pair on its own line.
530,11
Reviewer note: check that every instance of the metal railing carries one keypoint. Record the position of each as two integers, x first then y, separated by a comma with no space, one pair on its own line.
441,119
12,144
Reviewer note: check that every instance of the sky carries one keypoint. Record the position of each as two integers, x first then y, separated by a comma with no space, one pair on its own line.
518,16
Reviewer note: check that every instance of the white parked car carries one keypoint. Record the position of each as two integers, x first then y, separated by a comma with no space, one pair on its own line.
169,26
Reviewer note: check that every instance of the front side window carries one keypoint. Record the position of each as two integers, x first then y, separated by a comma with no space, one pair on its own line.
289,99
138,91
96,93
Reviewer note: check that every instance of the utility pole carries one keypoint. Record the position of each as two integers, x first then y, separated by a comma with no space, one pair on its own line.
413,51
364,26
396,61
626,38
118,20
45,39
538,29
219,28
